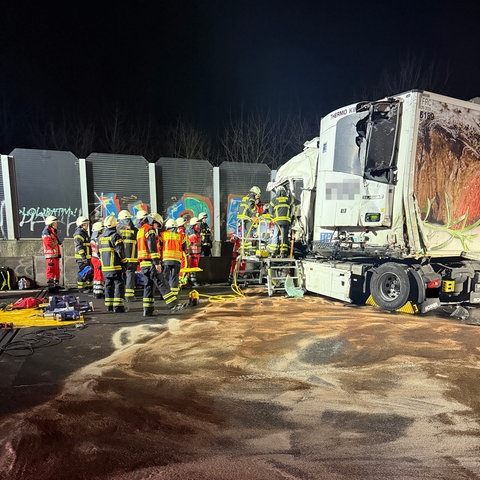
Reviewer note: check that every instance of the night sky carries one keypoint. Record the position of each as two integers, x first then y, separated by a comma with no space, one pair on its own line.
207,60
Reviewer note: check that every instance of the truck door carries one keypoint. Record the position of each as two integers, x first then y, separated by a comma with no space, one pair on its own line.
377,143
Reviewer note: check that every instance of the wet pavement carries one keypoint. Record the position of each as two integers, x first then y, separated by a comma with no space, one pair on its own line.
251,387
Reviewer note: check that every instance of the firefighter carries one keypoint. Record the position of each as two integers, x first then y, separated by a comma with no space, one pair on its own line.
157,224
206,235
195,249
151,267
81,240
173,247
182,231
98,279
247,217
114,263
280,209
51,252
128,231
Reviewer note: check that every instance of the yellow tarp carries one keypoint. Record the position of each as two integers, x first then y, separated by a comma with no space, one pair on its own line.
32,317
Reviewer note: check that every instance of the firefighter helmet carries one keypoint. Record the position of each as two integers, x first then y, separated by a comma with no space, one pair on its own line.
141,214
194,220
110,221
202,215
124,214
180,221
170,223
81,220
280,191
97,226
156,217
255,190
50,219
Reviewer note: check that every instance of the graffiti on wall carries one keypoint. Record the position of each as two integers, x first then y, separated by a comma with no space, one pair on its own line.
110,204
31,216
190,205
233,203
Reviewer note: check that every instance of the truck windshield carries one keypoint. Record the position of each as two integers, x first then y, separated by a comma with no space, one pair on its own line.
348,158
365,142
381,133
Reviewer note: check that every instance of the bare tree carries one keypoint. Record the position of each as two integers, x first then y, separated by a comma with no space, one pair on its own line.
262,138
412,72
185,141
114,132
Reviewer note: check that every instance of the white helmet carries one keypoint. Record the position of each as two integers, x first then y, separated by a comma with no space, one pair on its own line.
141,214
156,217
170,223
97,226
110,221
180,221
124,214
194,220
81,220
50,219
202,215
256,190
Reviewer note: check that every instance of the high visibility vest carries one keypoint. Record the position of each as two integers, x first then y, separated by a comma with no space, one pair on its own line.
129,235
172,246
147,246
280,208
111,251
81,239
51,245
94,245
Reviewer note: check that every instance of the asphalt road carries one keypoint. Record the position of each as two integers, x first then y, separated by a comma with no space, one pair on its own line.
246,388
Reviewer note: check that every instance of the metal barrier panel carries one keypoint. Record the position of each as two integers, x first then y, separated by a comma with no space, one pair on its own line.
116,182
184,187
236,179
47,183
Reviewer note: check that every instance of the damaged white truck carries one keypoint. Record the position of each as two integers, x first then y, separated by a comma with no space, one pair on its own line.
388,203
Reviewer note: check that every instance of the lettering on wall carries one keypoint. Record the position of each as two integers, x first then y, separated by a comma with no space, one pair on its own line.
31,216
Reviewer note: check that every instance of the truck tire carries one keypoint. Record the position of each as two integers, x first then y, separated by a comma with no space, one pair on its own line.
390,286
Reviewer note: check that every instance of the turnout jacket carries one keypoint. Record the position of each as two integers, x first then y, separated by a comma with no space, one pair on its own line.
111,251
129,234
51,242
81,240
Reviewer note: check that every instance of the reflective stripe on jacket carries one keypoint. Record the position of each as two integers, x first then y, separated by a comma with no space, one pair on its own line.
172,246
81,240
129,235
111,250
280,208
51,244
246,209
147,246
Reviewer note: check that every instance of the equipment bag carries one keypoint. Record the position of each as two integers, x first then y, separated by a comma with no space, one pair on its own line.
7,279
27,302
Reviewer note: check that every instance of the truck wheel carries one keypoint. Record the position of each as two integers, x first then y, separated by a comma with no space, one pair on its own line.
390,286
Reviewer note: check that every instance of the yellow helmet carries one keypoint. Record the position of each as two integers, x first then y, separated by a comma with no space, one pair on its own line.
194,220
110,221
50,219
256,190
97,226
202,215
124,214
81,220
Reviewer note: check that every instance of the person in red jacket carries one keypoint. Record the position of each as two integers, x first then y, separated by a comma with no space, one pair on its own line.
98,278
51,251
194,249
